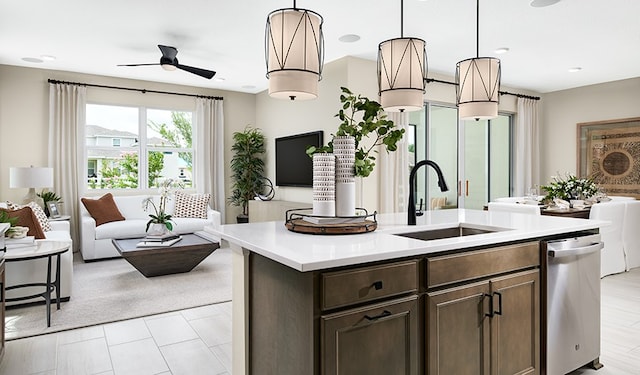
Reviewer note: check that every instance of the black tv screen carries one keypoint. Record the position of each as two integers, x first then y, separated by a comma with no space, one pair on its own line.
293,166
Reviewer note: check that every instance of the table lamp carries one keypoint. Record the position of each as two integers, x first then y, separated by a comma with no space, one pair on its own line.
32,178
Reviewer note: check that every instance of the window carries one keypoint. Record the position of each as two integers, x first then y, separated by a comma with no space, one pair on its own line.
135,147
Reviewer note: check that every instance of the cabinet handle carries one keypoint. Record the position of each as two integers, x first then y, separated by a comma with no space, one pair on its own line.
382,315
377,285
467,189
490,313
499,312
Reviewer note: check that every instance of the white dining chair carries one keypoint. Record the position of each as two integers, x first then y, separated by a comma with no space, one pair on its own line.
612,255
631,234
532,209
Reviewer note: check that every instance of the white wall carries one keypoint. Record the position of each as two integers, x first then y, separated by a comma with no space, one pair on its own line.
563,110
24,114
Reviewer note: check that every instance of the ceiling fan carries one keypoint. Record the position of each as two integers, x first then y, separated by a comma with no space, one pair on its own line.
168,61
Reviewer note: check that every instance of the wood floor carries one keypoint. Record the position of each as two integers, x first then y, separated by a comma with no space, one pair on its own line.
198,341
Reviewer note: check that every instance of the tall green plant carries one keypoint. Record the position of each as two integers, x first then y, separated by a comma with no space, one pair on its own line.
363,118
247,167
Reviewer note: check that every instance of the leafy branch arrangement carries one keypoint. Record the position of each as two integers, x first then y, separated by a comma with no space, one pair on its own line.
362,118
159,215
570,187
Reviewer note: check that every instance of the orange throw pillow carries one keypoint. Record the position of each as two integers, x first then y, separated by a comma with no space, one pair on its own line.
26,218
103,210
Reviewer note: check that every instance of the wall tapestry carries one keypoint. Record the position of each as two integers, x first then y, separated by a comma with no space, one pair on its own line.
609,153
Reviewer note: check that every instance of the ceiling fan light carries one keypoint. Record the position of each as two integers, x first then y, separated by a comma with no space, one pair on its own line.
477,86
168,67
294,53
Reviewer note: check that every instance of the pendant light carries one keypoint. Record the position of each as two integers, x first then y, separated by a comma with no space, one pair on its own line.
402,72
478,83
294,53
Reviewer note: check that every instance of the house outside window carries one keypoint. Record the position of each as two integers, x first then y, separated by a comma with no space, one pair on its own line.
137,147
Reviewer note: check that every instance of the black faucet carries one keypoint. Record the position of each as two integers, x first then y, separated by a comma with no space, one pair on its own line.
411,217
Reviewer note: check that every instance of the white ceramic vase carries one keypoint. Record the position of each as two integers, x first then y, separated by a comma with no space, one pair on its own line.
157,229
344,147
324,184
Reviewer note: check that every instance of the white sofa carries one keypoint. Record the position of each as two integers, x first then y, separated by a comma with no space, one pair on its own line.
96,241
35,271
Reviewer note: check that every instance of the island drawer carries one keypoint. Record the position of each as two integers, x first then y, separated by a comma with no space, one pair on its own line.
347,287
447,269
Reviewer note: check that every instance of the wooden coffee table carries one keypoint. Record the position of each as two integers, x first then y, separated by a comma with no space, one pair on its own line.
180,257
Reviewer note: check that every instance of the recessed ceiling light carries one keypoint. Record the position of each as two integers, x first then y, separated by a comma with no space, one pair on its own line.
502,50
575,69
219,79
543,3
349,38
32,60
47,57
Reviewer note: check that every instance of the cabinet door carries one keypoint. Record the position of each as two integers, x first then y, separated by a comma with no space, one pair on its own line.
516,330
376,339
458,331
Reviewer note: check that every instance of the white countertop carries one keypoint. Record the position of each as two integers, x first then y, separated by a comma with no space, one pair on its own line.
308,252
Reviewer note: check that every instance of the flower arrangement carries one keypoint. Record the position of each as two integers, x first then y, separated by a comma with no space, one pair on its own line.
160,216
570,187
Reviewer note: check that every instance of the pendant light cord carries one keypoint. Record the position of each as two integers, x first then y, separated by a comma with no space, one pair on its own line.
294,4
401,18
477,28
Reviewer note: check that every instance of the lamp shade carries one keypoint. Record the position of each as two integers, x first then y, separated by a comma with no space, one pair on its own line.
478,85
294,53
402,73
30,177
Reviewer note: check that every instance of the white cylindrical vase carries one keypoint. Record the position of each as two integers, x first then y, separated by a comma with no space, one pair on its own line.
344,147
324,184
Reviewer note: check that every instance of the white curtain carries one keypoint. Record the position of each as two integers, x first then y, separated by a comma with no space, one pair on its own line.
394,170
527,157
209,122
67,106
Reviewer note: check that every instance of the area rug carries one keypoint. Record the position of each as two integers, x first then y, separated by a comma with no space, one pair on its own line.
112,290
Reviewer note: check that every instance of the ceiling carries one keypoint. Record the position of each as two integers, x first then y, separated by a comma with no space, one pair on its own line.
602,37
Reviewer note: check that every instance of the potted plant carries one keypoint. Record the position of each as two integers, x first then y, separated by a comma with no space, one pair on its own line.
247,169
570,188
160,221
363,118
49,196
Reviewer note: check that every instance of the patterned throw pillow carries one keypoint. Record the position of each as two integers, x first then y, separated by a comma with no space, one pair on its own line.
191,205
37,210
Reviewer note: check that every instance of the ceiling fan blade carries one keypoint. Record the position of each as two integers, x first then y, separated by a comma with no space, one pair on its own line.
168,52
138,64
208,74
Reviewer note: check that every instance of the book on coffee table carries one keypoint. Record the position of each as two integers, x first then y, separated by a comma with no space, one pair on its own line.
166,243
161,238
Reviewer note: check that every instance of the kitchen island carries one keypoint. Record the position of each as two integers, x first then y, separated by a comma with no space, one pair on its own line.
317,304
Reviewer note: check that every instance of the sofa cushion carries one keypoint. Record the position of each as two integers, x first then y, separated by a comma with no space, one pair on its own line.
26,218
191,205
134,228
37,210
103,210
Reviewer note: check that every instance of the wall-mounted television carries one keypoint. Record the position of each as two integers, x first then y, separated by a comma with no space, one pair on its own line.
293,166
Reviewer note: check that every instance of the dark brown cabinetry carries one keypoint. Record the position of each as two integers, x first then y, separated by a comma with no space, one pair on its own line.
484,324
472,312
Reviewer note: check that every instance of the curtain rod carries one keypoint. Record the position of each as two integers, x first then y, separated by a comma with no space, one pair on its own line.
144,91
500,92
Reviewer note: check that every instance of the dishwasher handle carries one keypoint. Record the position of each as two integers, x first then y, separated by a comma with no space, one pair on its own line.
559,253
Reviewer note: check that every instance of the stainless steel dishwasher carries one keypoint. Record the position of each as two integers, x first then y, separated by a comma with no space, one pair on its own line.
573,304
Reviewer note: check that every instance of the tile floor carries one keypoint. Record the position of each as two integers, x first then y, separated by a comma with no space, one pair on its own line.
198,341
193,341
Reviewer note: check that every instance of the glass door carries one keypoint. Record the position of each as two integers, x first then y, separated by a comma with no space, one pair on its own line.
474,157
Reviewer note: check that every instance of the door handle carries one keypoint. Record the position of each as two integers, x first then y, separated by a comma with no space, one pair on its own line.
459,188
499,312
467,188
490,313
385,313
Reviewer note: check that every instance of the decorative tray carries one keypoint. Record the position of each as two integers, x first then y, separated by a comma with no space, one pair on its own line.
302,220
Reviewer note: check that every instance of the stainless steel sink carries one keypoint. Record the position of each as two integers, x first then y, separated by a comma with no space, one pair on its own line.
458,231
